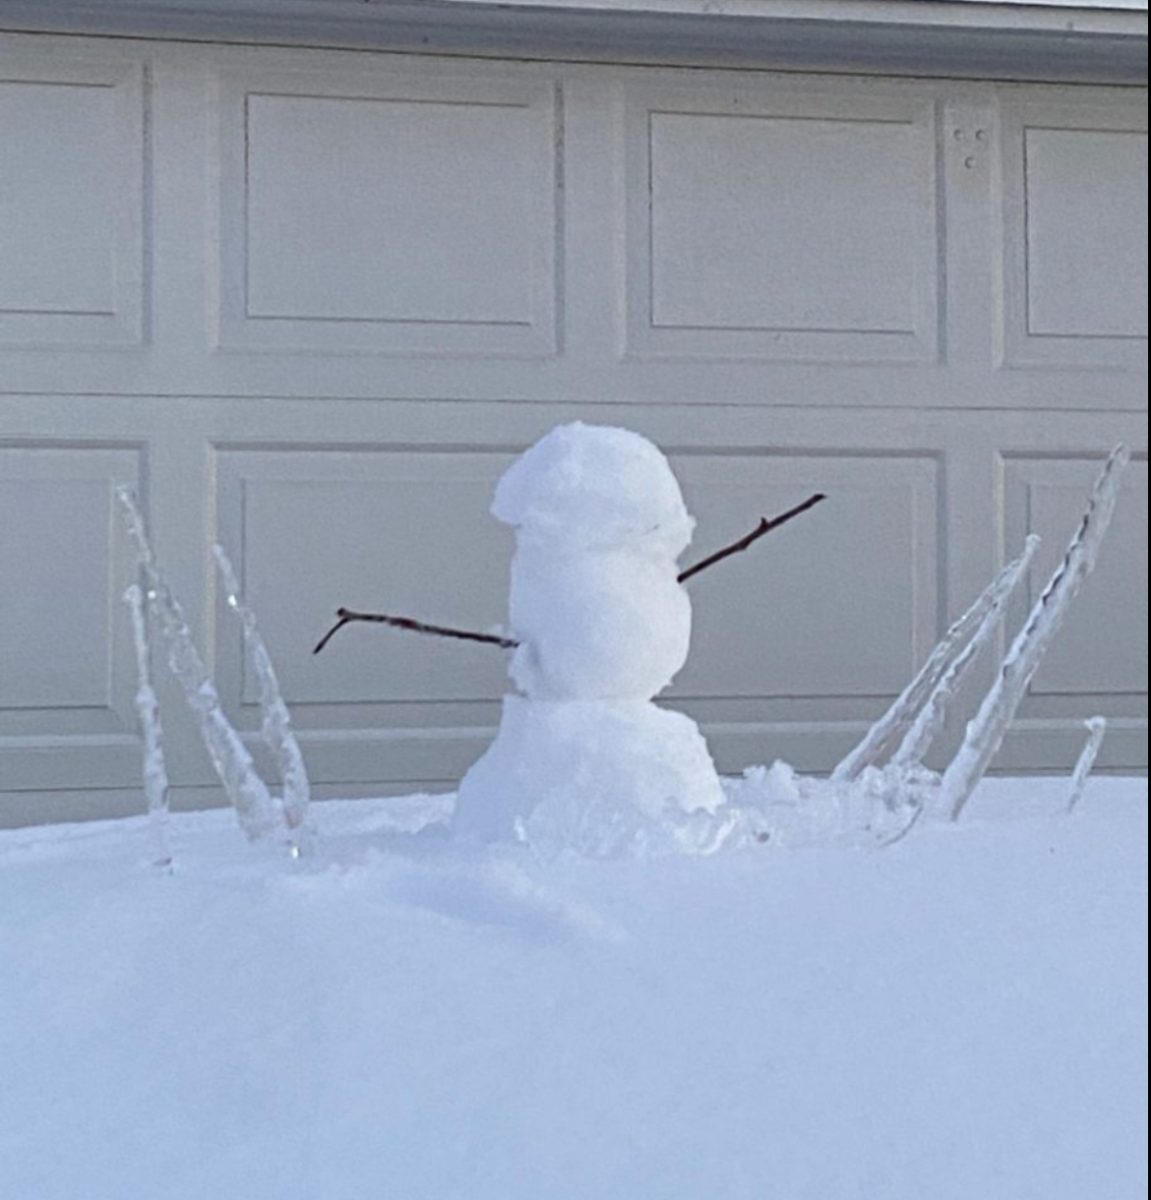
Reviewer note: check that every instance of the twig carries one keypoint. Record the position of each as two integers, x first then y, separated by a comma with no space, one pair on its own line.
765,527
347,616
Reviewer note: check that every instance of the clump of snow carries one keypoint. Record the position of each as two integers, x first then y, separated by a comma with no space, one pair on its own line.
602,778
594,487
776,804
959,1017
604,625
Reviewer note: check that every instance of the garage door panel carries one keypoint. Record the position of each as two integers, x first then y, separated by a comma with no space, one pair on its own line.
389,213
72,222
66,673
396,530
312,301
791,226
842,603
1075,236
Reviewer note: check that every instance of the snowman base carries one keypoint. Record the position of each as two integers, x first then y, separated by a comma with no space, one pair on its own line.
601,777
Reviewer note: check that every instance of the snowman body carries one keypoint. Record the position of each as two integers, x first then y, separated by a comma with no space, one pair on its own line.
604,626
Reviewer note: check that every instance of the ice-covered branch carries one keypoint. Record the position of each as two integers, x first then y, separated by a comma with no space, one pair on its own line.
151,732
901,716
927,724
1096,732
257,811
986,731
276,724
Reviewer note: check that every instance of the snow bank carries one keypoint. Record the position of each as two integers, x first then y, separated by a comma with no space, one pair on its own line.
958,1017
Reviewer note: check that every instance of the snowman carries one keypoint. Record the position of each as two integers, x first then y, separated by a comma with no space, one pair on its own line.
583,757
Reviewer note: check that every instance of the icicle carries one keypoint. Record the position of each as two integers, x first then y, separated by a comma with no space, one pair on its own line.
255,808
986,732
1096,731
926,726
152,734
276,727
900,717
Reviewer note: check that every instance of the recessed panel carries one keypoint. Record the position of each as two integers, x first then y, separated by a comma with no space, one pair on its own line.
59,584
1074,235
1086,233
70,205
399,215
405,211
775,223
1102,648
781,223
842,602
403,533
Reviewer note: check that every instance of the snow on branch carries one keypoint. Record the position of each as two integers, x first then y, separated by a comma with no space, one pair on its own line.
899,719
256,810
151,732
927,724
276,724
1096,732
986,731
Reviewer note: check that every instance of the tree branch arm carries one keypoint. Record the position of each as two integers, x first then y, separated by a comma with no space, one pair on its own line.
347,616
765,527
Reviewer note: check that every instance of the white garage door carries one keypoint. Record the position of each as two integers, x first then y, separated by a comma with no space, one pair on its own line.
310,303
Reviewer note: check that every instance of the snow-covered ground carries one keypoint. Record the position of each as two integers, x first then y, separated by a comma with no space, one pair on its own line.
960,1016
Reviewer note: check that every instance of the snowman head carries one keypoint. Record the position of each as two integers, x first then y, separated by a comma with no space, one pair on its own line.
588,487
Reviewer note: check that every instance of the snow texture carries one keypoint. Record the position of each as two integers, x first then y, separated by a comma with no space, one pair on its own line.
595,598
959,1017
603,778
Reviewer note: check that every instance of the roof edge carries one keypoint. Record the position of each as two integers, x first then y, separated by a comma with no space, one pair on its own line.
979,38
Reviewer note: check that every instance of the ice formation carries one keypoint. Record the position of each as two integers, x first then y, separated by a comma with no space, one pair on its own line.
151,731
261,814
603,626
